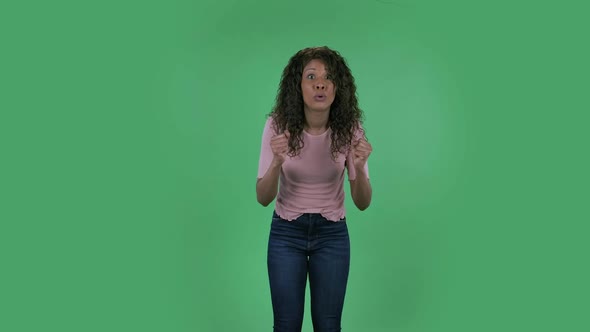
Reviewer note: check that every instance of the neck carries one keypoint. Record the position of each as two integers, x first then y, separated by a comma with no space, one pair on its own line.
316,122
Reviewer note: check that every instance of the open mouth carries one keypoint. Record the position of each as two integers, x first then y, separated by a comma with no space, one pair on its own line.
319,97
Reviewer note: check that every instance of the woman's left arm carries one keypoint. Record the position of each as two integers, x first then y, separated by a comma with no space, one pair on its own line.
360,187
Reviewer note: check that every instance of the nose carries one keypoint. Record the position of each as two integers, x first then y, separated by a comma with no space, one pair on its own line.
320,85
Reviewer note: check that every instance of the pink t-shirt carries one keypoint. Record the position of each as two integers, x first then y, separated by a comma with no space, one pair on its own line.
311,182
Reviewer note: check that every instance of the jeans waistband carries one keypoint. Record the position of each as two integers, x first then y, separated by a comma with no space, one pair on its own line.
306,216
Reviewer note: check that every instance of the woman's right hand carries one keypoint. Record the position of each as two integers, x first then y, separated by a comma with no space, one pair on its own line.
280,146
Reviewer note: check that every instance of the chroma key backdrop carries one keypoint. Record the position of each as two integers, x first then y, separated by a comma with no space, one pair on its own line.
130,136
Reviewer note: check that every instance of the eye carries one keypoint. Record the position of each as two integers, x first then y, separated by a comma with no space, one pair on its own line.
311,76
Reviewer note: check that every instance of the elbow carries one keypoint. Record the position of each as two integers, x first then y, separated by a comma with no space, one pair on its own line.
361,195
362,203
260,197
363,207
263,203
263,198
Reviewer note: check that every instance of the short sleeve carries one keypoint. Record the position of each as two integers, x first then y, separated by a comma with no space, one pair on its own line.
349,160
265,149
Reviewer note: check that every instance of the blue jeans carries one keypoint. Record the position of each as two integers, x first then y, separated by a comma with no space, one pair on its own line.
310,245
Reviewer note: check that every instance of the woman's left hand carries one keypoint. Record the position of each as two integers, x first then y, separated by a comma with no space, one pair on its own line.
361,150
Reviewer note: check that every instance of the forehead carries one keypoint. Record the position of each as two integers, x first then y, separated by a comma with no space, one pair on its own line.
315,64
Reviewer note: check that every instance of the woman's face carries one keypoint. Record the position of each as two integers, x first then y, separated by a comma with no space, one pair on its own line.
317,87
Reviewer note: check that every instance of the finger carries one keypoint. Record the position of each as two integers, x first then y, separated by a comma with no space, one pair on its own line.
365,147
280,149
362,154
363,150
280,145
363,142
279,140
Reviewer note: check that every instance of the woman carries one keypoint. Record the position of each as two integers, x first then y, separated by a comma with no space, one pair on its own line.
312,135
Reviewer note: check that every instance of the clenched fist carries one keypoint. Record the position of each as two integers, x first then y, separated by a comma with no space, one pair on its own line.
280,146
361,150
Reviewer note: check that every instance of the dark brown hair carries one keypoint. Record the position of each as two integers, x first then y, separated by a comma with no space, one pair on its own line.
345,115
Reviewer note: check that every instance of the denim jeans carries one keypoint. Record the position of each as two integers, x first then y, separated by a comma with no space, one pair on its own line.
310,245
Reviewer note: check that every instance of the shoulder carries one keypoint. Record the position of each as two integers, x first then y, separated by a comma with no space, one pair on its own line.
269,124
270,127
359,131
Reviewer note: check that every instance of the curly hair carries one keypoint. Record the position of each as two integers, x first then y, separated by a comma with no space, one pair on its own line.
345,116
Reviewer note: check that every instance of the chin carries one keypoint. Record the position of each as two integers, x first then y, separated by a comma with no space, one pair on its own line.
321,109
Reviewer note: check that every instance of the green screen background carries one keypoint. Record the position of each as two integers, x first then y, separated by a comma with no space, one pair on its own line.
130,134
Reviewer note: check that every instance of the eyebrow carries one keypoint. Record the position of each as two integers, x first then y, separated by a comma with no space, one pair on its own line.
310,69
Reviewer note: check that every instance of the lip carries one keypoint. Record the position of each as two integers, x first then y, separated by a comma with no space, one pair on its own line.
319,97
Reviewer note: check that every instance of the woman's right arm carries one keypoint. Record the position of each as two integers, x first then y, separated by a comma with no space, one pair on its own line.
267,187
274,148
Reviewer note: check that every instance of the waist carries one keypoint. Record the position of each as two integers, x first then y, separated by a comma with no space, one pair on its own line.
308,216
